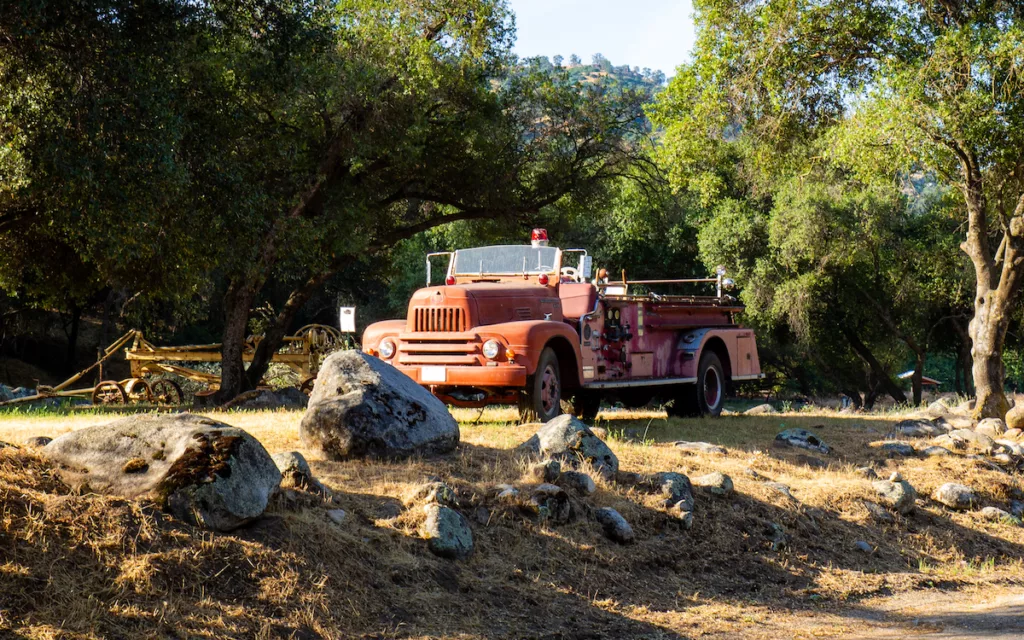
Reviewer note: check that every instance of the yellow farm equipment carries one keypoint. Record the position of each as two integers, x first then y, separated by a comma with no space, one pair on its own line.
150,365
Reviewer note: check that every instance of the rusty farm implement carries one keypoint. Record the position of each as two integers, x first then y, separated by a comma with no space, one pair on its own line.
151,368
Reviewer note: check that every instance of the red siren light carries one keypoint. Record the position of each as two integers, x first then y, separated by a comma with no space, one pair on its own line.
539,238
450,280
543,279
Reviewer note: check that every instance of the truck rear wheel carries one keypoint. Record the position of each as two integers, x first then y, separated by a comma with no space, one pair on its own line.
710,385
707,396
542,399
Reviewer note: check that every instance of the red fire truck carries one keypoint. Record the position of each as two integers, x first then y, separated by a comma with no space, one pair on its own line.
524,324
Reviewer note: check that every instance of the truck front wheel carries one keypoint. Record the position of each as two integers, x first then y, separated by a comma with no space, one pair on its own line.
542,399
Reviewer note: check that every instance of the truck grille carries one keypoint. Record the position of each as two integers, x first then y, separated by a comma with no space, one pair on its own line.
439,319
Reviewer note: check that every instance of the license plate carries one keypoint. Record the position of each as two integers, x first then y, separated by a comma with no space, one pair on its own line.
433,374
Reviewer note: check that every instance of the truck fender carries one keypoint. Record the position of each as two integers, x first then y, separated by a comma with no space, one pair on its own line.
528,339
377,331
693,343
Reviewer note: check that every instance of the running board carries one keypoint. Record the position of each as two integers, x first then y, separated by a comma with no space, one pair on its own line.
618,384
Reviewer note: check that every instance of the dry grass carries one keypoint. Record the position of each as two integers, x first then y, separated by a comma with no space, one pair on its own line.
88,566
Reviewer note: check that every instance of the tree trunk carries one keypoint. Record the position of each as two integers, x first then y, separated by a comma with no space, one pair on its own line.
916,379
881,375
276,332
988,334
237,302
76,321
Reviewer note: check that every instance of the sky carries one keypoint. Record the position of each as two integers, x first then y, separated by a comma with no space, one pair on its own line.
641,33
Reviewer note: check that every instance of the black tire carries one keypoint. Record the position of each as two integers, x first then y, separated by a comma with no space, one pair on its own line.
704,398
684,403
586,405
542,399
710,385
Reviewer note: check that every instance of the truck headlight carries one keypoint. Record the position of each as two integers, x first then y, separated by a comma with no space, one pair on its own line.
387,348
491,349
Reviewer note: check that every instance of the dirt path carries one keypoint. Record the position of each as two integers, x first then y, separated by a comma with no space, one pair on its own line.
946,615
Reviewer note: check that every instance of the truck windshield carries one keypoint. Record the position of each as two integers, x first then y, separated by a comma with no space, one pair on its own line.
505,260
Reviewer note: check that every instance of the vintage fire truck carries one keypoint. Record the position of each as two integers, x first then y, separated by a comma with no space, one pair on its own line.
525,325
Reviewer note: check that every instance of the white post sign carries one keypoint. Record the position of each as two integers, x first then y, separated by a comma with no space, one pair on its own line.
347,320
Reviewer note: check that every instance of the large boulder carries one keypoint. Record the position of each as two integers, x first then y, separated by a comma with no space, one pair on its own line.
203,471
362,406
573,443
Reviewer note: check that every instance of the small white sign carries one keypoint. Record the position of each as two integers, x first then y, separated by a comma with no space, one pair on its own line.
433,374
347,319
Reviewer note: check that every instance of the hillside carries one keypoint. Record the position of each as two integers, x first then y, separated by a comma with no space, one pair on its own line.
756,564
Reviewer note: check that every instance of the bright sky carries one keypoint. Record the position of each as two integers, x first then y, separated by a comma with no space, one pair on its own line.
641,33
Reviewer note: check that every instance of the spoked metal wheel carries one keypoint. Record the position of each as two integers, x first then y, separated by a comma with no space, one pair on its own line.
109,392
166,391
138,390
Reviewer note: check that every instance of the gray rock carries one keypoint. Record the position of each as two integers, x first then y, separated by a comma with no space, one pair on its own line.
203,471
938,409
864,546
777,535
600,432
935,451
964,438
897,449
866,472
995,514
1013,434
702,447
803,439
896,494
579,482
1009,445
551,502
38,442
992,427
715,483
614,525
675,488
447,532
295,472
878,513
506,493
573,443
917,428
752,473
436,493
781,488
546,470
760,410
362,406
809,461
337,516
955,496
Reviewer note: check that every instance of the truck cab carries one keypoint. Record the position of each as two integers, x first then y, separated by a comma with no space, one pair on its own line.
524,324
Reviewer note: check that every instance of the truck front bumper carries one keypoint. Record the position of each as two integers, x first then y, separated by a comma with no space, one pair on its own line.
484,377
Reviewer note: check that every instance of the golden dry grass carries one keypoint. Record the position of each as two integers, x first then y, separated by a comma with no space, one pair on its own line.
85,566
